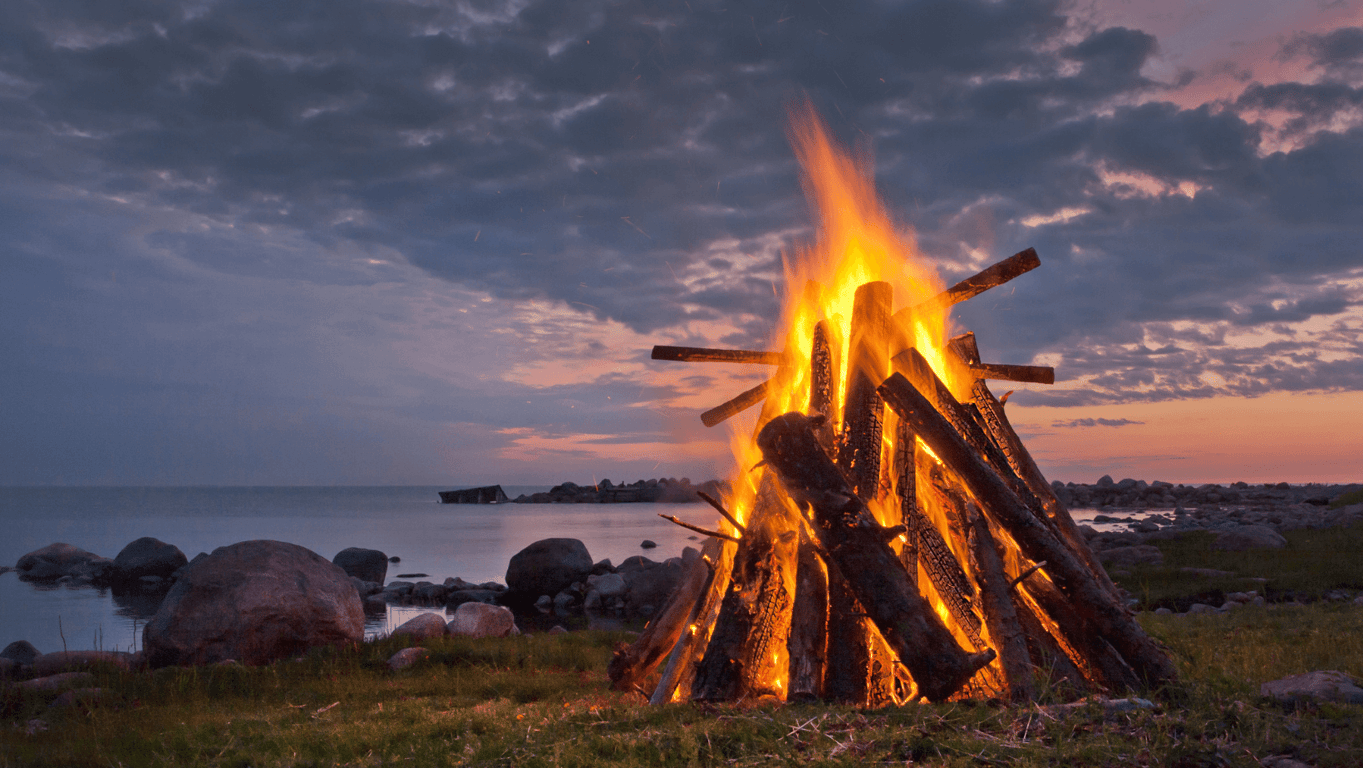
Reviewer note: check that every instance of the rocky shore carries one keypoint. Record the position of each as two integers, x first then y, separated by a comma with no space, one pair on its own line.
667,490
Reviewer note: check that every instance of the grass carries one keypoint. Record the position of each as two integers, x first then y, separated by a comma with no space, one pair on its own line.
1347,498
544,701
1314,563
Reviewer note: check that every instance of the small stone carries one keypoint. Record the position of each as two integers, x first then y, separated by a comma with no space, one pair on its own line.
1162,612
558,629
1201,608
544,602
648,544
394,559
1325,685
408,656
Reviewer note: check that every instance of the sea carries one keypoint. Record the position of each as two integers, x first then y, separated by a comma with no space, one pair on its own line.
436,541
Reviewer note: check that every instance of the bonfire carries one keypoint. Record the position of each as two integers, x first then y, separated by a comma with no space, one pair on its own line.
889,538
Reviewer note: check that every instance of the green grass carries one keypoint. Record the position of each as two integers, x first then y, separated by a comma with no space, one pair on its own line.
544,701
1313,563
1347,498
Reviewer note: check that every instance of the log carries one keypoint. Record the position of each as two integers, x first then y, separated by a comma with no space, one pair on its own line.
905,463
703,355
991,277
940,563
1104,663
1032,374
824,358
808,642
694,641
1049,660
677,660
1005,630
863,411
855,542
746,655
631,664
1035,539
1020,460
738,404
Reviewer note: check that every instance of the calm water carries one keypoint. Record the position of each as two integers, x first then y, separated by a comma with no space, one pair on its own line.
470,541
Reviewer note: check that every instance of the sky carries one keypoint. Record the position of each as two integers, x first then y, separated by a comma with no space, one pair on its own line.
418,242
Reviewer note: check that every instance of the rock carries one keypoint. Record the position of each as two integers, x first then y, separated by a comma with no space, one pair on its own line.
427,593
648,544
1201,608
366,588
63,661
635,563
363,564
482,620
1243,537
74,696
1105,481
255,601
56,682
1282,761
603,567
148,557
413,575
458,597
7,668
544,602
1132,555
557,629
423,627
20,652
60,560
1162,611
610,585
564,600
1327,685
652,586
547,567
394,559
408,656
1206,573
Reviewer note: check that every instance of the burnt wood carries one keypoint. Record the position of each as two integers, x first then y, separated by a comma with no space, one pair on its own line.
746,653
1036,540
1005,630
853,540
823,380
1031,374
738,404
863,411
1018,264
808,642
703,355
693,642
631,664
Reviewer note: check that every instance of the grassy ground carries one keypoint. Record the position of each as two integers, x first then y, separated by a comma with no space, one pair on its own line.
544,700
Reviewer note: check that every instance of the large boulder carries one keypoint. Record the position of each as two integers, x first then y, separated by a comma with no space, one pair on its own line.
255,601
1137,554
649,588
423,627
55,561
148,557
1243,537
547,567
483,620
363,564
1327,685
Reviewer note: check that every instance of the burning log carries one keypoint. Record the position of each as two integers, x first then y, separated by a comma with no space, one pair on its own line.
1036,539
686,655
863,411
633,663
1090,650
703,355
808,643
857,545
824,362
991,277
1005,630
746,653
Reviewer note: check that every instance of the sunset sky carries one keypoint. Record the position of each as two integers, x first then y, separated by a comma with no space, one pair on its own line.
427,242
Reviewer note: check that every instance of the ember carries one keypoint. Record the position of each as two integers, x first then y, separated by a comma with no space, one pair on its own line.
894,540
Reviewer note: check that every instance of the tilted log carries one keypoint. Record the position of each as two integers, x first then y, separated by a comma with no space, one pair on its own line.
746,655
1103,662
857,545
905,464
1049,659
1036,539
736,405
1031,374
939,562
678,678
824,358
808,642
631,664
703,355
991,277
1005,630
1020,459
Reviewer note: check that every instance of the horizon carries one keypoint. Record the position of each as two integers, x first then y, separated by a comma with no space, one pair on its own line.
357,244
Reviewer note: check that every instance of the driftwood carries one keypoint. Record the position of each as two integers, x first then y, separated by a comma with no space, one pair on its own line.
746,655
1000,617
703,355
634,662
1036,540
858,546
808,643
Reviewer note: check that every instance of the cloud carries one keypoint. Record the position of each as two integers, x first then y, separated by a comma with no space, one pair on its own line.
1071,424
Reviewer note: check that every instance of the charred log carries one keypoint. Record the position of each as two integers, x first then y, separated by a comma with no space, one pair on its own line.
859,455
1032,374
1000,617
808,641
1035,539
703,355
633,663
738,404
873,573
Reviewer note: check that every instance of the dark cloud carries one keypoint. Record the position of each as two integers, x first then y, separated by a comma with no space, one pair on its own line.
628,161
